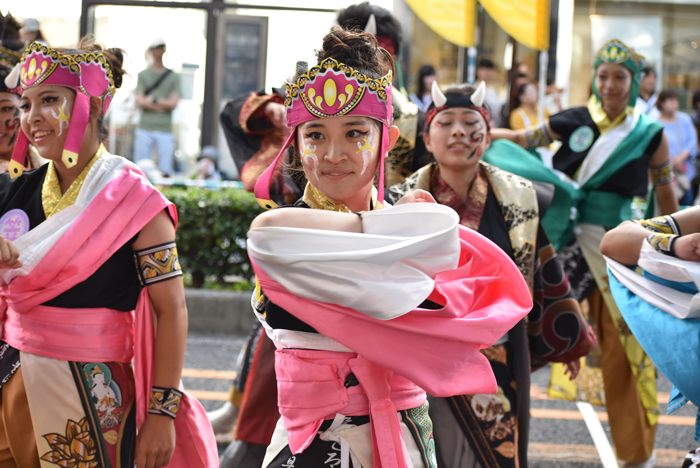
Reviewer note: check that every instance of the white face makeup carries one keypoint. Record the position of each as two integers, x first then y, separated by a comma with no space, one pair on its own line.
366,149
340,156
62,117
309,158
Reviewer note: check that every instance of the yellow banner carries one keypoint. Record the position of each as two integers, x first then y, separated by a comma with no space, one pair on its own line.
454,20
526,20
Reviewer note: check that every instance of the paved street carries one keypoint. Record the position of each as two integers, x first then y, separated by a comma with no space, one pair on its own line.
558,435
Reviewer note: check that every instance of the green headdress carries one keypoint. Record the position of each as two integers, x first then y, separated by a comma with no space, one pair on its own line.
617,52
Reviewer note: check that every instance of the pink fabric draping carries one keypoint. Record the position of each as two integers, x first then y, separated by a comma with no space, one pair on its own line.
438,350
116,215
311,388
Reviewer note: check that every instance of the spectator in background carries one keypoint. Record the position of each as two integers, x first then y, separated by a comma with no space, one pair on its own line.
553,97
486,72
422,97
32,32
695,116
646,101
524,115
157,94
519,78
208,165
682,142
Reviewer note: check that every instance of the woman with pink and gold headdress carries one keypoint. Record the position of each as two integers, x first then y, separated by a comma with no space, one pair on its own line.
76,309
367,304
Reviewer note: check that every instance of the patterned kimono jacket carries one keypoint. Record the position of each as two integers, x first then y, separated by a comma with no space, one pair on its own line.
504,208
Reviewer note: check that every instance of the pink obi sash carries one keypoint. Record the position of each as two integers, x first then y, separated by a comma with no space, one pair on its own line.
101,335
314,386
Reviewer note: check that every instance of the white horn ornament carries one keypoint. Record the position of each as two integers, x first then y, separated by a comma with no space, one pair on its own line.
438,98
12,79
478,97
371,26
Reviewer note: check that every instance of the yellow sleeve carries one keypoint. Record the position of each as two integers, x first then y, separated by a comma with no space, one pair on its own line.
516,120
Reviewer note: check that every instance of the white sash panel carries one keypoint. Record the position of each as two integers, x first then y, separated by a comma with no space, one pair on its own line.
384,273
603,148
35,244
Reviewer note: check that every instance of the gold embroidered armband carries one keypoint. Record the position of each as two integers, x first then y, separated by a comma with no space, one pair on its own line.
661,175
157,263
538,136
165,401
663,243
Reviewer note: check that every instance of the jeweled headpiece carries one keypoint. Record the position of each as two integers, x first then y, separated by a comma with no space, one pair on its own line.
89,74
332,89
442,102
617,52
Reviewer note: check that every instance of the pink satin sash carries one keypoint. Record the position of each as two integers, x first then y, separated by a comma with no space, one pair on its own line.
88,335
312,387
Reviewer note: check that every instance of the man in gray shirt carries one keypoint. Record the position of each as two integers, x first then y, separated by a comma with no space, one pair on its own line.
157,94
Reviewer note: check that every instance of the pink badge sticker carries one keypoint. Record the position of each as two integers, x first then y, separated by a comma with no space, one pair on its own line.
13,224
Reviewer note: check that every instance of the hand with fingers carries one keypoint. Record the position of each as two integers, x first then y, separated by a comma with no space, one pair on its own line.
9,255
572,368
155,442
417,196
688,247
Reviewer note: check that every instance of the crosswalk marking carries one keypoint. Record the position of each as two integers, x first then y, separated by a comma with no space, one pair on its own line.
209,374
545,413
588,453
539,393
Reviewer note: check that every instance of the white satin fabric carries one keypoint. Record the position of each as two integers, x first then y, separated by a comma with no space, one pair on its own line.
603,148
679,304
385,272
35,244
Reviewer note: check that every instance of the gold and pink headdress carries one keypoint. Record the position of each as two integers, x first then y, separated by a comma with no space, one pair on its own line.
332,89
89,74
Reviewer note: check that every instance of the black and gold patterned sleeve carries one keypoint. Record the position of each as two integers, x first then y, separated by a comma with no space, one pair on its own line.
665,231
661,224
157,263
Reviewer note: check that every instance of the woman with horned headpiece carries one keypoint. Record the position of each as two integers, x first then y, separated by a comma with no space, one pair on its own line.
87,257
367,304
608,155
491,431
10,53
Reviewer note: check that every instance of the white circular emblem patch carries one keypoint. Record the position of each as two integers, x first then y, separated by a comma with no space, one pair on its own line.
581,139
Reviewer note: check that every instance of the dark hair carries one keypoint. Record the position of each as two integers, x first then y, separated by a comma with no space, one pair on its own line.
520,92
358,50
485,63
425,70
115,59
647,70
664,96
696,100
356,17
9,33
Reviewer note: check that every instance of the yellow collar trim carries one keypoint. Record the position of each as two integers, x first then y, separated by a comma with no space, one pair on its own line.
601,119
52,199
318,201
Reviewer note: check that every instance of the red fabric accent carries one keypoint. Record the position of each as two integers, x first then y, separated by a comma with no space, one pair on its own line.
387,43
258,412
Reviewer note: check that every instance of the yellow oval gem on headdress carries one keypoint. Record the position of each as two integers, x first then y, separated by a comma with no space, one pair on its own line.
32,68
330,92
